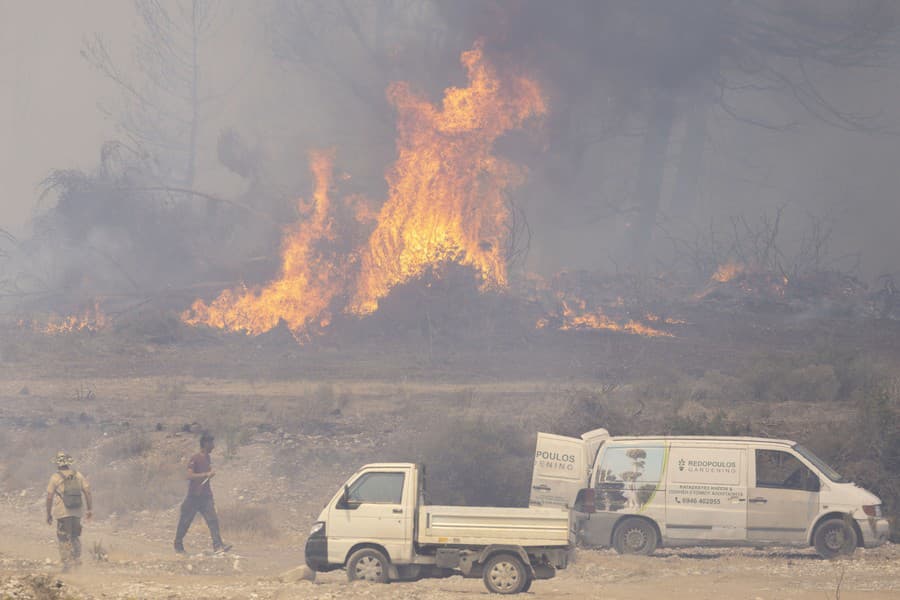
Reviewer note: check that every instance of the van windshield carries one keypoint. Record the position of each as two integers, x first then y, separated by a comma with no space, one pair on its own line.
820,464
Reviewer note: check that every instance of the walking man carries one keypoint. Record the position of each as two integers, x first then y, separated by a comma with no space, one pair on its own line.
200,497
68,495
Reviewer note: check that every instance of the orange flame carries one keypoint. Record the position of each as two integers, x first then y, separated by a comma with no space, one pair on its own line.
728,272
92,319
446,199
580,318
309,280
446,203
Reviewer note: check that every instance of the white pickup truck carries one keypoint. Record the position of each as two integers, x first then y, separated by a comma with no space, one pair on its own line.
379,529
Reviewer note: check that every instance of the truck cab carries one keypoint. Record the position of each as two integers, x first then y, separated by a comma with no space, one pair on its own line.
378,527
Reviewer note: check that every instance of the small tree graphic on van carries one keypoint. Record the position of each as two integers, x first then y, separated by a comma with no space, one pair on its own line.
681,464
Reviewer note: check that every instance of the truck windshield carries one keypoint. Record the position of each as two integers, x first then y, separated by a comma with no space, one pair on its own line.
820,464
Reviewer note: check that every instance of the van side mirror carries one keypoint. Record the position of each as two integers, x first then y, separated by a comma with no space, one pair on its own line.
586,501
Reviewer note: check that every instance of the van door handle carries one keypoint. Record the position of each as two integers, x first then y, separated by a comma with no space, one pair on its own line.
397,511
758,500
543,487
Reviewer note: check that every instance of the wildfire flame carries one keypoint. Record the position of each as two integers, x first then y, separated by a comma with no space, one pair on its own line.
446,203
309,279
446,199
575,315
91,319
727,272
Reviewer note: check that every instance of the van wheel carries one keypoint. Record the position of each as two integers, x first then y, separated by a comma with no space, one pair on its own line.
367,564
834,538
635,536
506,574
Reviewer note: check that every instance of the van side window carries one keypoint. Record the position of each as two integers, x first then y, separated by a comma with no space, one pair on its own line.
782,470
629,476
377,488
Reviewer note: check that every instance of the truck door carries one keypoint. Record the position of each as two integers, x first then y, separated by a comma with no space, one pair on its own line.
560,470
783,497
378,506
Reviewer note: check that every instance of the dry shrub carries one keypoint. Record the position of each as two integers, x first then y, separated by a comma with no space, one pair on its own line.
152,481
26,460
127,445
36,587
586,409
477,462
776,380
241,520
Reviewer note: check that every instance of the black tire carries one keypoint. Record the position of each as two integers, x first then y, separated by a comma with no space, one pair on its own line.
635,536
368,564
506,574
835,537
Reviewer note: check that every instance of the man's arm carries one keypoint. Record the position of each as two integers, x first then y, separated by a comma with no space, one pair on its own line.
49,508
88,502
192,475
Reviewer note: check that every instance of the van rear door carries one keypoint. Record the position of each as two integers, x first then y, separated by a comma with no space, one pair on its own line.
560,470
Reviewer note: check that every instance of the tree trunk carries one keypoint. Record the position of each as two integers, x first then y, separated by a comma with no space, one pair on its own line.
690,159
651,172
195,108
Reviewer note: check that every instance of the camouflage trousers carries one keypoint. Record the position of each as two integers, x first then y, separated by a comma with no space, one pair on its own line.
68,532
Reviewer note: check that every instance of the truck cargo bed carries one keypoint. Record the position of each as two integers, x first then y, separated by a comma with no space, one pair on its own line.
475,525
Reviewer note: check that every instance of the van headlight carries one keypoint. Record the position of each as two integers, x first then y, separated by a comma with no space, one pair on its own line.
872,510
317,527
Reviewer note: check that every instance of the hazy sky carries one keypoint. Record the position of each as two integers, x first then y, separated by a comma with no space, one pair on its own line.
49,94
49,120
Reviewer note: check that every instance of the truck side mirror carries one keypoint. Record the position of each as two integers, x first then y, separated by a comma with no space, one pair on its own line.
586,501
344,502
814,484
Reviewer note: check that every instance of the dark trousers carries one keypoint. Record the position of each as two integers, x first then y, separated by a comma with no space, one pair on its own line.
189,509
68,532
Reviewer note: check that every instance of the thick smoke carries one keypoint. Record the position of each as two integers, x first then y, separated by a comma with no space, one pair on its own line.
676,131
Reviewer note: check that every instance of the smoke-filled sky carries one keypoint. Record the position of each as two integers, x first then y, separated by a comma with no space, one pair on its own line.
281,89
49,94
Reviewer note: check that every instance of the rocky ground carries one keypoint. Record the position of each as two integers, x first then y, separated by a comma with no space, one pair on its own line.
293,424
684,573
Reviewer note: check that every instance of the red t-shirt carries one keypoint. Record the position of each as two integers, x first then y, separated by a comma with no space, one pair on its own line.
199,463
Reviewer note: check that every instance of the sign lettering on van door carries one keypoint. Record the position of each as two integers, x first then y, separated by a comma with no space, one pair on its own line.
548,460
712,466
700,494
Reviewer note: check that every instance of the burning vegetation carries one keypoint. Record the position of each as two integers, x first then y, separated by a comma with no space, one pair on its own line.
91,319
446,204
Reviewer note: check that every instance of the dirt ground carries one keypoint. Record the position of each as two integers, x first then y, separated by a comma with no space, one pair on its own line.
293,423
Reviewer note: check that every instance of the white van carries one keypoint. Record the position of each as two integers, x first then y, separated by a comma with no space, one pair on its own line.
638,493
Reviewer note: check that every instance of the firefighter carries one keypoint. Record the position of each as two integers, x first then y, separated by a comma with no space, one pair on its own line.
68,499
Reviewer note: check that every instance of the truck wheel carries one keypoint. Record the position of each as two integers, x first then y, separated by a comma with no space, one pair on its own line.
833,538
635,536
367,564
506,574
